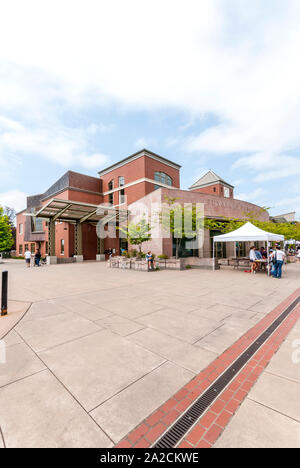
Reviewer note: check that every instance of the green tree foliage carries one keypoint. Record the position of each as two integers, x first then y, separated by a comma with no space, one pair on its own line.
6,238
288,230
137,233
183,222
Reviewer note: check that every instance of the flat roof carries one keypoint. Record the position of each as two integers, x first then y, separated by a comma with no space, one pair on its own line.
138,154
72,211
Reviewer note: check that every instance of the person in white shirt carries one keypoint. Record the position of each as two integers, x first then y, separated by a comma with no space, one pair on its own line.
253,260
278,257
27,256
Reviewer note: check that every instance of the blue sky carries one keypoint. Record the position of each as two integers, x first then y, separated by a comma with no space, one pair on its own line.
210,84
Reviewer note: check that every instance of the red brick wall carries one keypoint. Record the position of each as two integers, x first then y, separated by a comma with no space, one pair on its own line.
143,167
217,190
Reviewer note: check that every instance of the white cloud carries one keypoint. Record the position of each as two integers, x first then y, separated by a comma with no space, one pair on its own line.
14,199
237,60
258,195
64,146
142,142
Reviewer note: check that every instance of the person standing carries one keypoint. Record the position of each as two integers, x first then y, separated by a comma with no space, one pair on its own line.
253,259
27,256
37,258
278,257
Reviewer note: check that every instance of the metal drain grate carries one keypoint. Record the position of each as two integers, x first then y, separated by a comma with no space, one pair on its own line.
171,438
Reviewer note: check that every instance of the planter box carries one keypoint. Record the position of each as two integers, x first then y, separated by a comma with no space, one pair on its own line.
169,264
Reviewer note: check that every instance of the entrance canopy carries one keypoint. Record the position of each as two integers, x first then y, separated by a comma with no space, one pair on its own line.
247,233
77,212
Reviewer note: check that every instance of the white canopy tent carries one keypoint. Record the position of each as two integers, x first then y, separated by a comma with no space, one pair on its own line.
247,233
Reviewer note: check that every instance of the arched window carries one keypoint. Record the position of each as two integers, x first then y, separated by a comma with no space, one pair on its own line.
163,178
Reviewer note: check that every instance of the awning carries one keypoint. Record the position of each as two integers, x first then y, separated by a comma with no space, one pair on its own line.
72,212
249,232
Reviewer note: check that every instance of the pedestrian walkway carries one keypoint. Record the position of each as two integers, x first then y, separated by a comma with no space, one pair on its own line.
100,350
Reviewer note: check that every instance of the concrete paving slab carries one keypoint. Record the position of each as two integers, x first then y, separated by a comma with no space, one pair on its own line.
221,338
130,309
255,426
16,310
20,362
118,416
288,405
186,327
96,367
119,325
38,412
181,353
282,363
12,338
44,333
88,311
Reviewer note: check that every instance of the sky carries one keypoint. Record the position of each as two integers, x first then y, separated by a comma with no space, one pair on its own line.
209,84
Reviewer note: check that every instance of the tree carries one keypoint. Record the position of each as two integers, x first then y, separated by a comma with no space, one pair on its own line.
6,238
11,213
183,222
137,233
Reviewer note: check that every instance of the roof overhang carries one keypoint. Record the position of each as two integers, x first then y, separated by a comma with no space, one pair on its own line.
77,212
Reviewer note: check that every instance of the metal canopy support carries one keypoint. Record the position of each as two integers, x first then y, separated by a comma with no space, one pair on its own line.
89,215
51,238
61,212
78,238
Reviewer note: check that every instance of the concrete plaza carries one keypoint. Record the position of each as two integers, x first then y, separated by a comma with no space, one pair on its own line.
100,349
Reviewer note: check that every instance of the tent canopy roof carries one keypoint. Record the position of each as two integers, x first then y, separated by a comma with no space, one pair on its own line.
248,232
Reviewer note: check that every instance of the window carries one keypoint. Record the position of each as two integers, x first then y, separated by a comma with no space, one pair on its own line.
111,198
25,247
226,192
122,196
215,189
32,248
163,178
121,181
21,228
111,185
20,249
62,247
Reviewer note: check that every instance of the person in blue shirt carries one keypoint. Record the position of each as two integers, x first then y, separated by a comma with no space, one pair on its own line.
150,261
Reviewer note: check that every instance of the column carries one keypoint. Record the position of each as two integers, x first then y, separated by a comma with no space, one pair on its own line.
51,258
78,242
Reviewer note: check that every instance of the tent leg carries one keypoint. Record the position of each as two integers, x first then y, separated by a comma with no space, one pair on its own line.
268,254
213,255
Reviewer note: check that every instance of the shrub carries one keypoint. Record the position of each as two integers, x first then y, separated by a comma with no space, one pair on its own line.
134,253
163,257
188,267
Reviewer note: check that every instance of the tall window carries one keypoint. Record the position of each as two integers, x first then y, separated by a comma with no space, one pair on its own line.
32,248
121,181
21,228
111,195
20,249
121,196
163,178
26,247
62,247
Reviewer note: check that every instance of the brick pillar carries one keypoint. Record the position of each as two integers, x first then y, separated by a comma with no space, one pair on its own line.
51,238
78,239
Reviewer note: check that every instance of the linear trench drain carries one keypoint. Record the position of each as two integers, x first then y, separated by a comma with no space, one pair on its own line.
173,436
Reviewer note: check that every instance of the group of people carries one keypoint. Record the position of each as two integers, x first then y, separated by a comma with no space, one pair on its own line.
259,260
37,258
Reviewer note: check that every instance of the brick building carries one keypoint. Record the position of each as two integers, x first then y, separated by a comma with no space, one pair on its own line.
62,221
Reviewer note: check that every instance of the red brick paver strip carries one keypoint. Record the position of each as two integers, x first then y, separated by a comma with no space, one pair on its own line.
209,427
